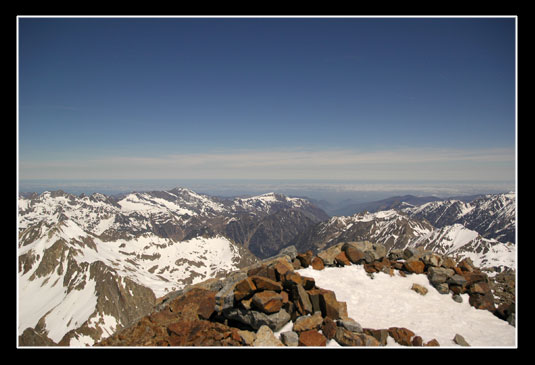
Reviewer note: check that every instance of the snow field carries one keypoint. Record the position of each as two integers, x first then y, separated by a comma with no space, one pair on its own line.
386,301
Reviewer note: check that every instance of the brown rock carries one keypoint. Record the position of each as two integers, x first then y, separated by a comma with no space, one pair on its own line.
282,267
329,305
301,300
291,279
370,268
296,264
198,302
163,317
306,323
244,289
353,254
305,258
401,335
341,259
328,327
308,282
467,265
433,342
482,301
314,296
380,335
201,333
264,283
312,338
419,289
267,301
317,263
414,266
344,337
417,341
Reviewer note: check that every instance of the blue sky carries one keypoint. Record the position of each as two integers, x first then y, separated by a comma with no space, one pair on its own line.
307,98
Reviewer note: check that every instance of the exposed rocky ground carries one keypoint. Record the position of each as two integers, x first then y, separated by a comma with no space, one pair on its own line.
252,304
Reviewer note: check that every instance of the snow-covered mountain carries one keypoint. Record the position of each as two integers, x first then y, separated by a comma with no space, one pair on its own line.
492,216
457,241
409,227
391,228
90,264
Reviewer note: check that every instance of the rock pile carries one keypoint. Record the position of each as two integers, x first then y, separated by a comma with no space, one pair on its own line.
247,307
445,274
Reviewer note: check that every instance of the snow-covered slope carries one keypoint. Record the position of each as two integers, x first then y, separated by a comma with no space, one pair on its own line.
70,279
398,230
460,242
391,228
385,301
492,216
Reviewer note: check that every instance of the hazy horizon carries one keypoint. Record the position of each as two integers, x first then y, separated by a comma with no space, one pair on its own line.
330,191
352,99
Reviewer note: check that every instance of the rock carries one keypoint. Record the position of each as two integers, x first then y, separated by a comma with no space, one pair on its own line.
350,325
505,310
417,341
291,279
414,266
30,337
344,337
401,335
301,299
448,262
475,277
317,263
305,258
290,338
290,251
305,323
267,301
353,254
419,289
457,298
328,255
308,282
224,298
314,296
247,337
479,288
482,301
263,283
244,289
329,305
457,279
200,333
380,335
379,251
432,259
412,252
432,342
467,265
342,260
328,327
459,340
296,264
442,288
395,255
312,338
266,338
439,275
255,319
281,268
200,303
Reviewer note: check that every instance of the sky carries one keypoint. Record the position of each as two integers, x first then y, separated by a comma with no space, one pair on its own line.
393,99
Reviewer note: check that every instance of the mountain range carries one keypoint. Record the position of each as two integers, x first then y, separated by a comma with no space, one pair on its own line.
90,264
